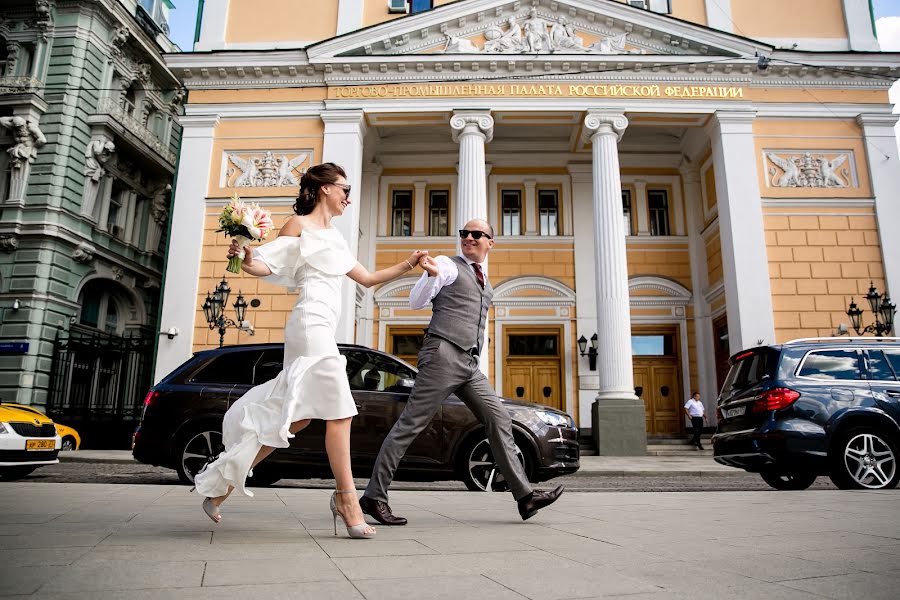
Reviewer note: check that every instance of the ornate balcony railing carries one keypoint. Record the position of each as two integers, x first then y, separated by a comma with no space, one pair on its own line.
21,85
108,106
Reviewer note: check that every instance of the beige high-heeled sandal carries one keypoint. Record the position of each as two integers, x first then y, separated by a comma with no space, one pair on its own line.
354,531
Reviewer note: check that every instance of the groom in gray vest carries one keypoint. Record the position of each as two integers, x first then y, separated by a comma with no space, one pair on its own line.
460,296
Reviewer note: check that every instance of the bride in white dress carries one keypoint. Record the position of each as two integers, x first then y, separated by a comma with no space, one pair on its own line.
311,255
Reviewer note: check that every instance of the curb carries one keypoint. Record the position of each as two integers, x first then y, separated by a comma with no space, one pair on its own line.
74,458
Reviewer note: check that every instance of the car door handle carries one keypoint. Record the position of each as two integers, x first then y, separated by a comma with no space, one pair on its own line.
893,393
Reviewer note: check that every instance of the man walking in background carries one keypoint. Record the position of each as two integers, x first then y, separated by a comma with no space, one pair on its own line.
693,408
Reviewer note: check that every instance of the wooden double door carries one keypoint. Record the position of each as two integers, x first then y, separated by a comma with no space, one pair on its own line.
656,381
532,367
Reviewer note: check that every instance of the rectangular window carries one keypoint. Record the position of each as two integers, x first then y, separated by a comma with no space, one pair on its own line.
401,213
626,211
548,211
658,207
115,207
511,209
417,6
438,212
652,345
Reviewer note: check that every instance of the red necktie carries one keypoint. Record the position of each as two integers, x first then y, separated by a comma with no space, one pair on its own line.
478,274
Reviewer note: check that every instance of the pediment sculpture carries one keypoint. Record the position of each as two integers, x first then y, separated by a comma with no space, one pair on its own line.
809,171
266,170
536,35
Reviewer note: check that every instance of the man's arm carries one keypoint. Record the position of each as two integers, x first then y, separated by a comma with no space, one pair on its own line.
429,284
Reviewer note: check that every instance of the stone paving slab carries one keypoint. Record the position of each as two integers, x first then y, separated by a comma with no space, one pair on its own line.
77,541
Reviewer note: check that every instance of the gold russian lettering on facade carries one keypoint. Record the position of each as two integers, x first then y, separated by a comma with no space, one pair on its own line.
536,90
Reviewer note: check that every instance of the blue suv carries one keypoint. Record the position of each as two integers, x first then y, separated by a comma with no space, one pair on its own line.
811,407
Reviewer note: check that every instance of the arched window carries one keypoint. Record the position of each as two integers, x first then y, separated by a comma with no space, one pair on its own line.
100,309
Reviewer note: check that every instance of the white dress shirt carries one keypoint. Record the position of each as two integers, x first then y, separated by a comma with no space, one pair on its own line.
428,287
694,407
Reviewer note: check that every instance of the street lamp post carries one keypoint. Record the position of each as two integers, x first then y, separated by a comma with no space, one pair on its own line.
883,309
214,310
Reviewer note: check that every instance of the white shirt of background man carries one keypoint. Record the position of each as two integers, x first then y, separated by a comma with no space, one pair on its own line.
694,408
428,287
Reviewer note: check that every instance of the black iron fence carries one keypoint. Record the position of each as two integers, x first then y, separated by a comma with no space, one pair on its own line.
98,384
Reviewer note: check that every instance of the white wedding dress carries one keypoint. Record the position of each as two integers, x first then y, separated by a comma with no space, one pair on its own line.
313,383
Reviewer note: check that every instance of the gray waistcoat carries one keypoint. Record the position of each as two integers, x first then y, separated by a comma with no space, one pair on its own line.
459,311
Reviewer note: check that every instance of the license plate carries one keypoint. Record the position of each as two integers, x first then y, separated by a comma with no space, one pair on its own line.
728,413
40,444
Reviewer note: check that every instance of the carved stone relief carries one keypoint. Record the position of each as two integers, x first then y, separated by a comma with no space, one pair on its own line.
97,154
9,243
266,169
119,39
83,253
810,169
27,138
536,34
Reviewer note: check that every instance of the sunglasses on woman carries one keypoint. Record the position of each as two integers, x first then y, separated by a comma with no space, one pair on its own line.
344,187
476,235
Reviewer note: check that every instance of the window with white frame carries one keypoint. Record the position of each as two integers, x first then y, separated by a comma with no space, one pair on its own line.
511,212
548,212
626,211
658,210
401,213
439,212
658,6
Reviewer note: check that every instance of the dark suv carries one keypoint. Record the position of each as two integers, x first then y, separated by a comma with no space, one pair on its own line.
182,423
810,407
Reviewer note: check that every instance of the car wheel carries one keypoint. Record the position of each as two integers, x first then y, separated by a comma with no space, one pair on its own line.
864,458
10,473
68,443
479,470
201,445
788,481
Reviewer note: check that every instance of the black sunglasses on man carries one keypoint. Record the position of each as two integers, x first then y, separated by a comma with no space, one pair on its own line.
476,235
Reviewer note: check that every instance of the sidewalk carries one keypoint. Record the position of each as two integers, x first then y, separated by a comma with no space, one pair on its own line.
591,466
130,542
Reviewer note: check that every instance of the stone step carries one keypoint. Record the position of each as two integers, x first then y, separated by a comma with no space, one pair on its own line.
670,451
679,441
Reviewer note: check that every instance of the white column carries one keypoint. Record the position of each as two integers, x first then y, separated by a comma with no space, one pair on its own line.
706,360
718,15
531,217
350,15
884,166
371,180
213,24
641,207
860,29
585,282
129,208
182,275
343,144
472,129
421,208
748,292
613,311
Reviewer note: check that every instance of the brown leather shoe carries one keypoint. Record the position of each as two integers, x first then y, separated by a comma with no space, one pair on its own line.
530,505
380,511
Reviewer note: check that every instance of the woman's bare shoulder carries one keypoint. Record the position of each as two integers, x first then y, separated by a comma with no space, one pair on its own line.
292,227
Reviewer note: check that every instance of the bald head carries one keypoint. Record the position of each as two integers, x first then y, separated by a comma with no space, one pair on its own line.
477,250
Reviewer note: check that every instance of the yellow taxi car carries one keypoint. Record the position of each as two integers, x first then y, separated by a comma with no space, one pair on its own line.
70,438
28,440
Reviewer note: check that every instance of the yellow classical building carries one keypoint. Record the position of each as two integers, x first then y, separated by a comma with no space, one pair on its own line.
680,178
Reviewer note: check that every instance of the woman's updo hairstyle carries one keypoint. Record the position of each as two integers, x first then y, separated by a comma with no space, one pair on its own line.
314,178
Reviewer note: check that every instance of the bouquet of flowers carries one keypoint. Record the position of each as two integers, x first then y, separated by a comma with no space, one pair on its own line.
245,223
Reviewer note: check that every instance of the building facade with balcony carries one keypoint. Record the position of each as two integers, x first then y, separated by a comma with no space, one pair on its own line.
88,124
682,178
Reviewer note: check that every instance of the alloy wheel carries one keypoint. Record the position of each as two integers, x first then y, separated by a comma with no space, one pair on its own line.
200,449
870,461
483,470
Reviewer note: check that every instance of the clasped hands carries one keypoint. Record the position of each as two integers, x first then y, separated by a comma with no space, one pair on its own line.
428,264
